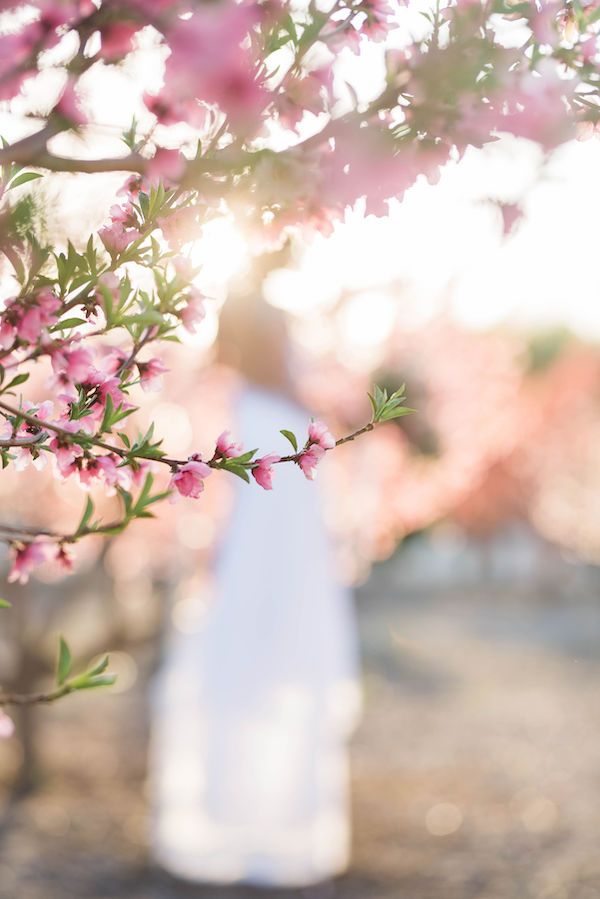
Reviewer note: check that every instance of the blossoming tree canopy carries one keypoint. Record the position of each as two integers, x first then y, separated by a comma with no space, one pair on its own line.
275,136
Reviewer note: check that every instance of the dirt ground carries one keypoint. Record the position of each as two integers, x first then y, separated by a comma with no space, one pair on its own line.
476,768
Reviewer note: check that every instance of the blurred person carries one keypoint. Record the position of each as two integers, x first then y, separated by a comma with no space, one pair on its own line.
253,712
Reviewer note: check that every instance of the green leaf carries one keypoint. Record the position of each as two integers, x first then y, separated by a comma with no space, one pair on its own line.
291,437
87,514
23,178
64,662
239,471
101,680
149,317
157,498
100,668
4,604
245,457
90,679
129,137
386,408
20,379
398,412
144,202
68,323
107,418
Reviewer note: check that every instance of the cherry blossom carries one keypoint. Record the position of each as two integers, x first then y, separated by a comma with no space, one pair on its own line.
194,311
227,447
189,479
263,472
152,374
27,558
309,460
318,433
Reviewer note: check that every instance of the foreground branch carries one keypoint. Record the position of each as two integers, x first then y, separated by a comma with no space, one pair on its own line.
20,699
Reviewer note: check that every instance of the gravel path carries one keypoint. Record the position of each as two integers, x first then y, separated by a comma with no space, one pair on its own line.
476,769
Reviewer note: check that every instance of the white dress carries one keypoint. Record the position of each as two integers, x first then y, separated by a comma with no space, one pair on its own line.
253,711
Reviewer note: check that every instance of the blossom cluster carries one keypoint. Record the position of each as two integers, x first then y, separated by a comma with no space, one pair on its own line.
246,75
188,479
83,313
65,311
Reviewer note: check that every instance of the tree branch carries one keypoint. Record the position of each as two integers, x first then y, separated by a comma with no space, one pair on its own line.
22,441
35,698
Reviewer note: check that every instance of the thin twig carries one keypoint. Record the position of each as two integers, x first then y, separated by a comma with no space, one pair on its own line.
22,441
34,698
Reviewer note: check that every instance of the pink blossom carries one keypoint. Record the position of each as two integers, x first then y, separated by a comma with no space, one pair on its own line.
511,213
151,374
586,130
184,268
108,385
64,557
114,474
319,433
40,313
16,48
169,111
536,107
68,107
166,112
110,281
181,226
131,187
543,21
116,238
17,54
151,7
262,473
309,460
139,470
114,358
54,14
89,471
66,455
188,480
108,467
194,312
27,557
226,446
309,92
11,84
26,455
30,325
117,39
8,333
7,727
49,305
209,60
75,363
43,410
65,451
362,164
125,215
165,165
377,23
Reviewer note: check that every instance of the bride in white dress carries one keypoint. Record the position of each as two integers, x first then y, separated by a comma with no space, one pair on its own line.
253,712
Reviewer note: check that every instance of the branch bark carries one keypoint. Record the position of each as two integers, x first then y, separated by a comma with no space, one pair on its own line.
34,698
